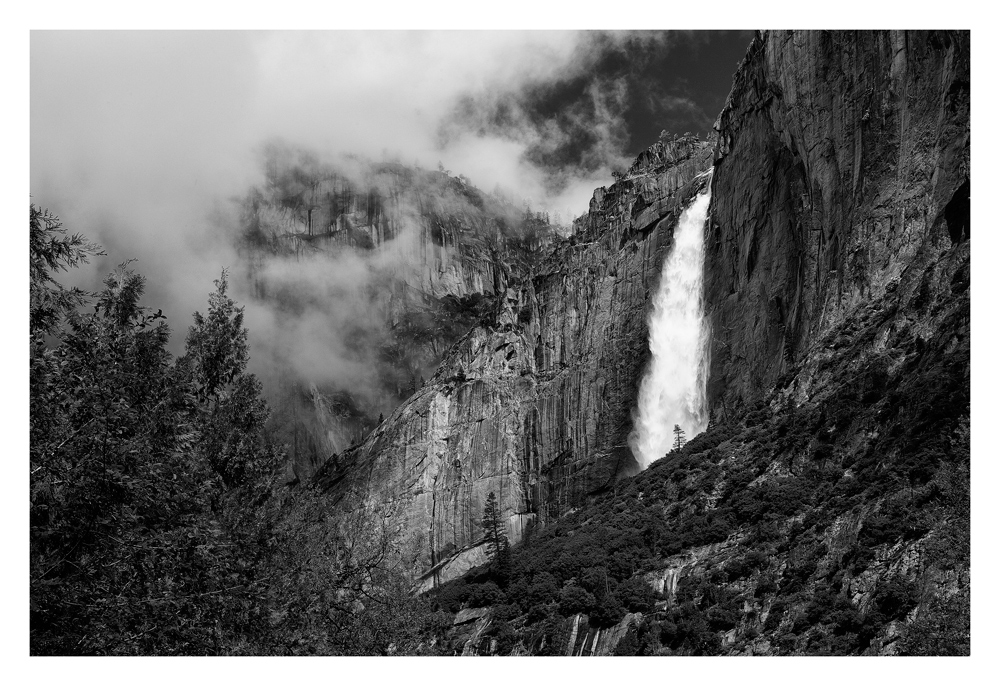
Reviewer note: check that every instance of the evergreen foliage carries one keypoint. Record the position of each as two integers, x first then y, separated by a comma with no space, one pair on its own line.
51,250
495,530
341,582
678,437
156,528
217,343
133,546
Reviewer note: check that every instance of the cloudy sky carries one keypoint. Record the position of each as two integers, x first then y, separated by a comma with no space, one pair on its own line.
141,140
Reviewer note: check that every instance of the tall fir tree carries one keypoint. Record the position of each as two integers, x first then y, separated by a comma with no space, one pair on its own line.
232,411
495,529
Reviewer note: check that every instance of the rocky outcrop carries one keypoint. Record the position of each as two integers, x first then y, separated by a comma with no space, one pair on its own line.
472,628
842,178
537,406
586,641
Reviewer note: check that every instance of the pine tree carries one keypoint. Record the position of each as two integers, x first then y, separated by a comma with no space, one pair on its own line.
495,530
51,250
132,545
126,555
678,437
233,412
217,344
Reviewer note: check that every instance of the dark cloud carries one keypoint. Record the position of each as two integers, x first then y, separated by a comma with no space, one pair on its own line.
611,100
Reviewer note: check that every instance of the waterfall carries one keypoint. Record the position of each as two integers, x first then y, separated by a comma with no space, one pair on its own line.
673,389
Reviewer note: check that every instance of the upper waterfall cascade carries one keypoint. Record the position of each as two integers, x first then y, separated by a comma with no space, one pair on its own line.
672,393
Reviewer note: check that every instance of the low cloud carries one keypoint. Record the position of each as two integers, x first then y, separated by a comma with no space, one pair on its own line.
147,142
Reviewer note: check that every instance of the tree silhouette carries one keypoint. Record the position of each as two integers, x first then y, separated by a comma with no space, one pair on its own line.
494,528
52,250
679,440
217,343
232,412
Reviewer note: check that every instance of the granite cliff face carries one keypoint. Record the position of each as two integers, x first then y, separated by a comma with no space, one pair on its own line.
826,507
536,406
842,183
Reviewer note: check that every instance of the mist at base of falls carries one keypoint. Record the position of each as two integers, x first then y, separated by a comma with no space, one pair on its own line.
673,390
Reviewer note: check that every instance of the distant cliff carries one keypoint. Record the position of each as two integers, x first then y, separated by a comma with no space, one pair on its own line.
371,272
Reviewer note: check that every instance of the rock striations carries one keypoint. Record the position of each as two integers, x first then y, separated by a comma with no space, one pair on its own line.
378,269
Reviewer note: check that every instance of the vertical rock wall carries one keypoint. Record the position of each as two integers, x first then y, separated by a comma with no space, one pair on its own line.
838,159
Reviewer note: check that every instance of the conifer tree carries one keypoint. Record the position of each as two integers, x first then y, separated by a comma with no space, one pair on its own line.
494,528
233,411
52,250
128,461
678,437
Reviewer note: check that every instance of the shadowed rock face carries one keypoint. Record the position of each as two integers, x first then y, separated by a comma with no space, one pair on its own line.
842,176
537,407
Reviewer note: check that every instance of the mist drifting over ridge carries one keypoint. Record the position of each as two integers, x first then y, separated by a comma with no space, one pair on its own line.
364,273
148,143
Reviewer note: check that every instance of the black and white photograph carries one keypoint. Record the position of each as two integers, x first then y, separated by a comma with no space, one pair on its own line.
493,342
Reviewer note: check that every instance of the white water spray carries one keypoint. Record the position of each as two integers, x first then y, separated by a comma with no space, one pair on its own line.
673,390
